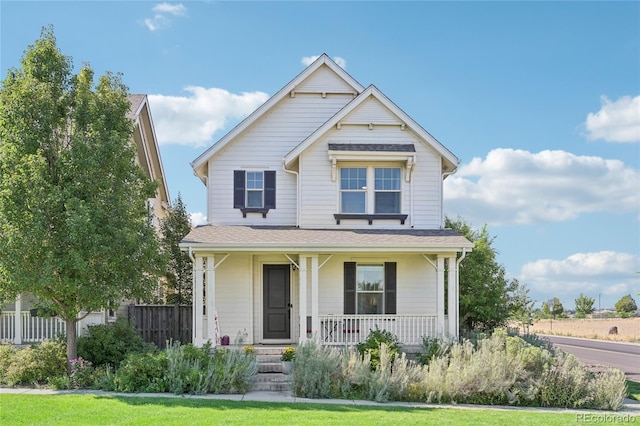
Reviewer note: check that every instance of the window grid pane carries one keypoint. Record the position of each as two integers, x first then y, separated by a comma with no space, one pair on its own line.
387,190
370,289
353,186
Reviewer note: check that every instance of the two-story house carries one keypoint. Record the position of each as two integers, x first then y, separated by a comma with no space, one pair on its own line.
325,221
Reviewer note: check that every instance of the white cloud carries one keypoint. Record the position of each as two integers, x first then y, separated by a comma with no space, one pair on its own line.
519,187
198,218
607,273
308,60
160,20
172,9
617,121
192,120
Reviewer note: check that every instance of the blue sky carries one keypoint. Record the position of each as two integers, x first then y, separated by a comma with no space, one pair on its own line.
540,101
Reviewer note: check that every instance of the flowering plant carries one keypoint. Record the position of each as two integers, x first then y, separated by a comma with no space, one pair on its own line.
288,354
81,373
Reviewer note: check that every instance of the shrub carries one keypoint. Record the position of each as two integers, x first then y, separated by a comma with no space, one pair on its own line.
315,370
142,372
376,338
231,371
432,346
81,373
34,364
7,353
110,343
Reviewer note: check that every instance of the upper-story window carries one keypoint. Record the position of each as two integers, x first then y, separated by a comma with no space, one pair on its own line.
255,190
372,190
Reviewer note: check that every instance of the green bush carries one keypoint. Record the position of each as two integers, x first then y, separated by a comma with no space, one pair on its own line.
142,372
432,347
33,365
376,338
315,371
110,343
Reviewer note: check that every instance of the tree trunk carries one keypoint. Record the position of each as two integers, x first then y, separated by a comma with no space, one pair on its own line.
72,349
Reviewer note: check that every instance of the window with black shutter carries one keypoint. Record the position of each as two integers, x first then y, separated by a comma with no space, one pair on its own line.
370,288
254,191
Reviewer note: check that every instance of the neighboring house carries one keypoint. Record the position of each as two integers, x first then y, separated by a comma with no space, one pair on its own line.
325,212
16,322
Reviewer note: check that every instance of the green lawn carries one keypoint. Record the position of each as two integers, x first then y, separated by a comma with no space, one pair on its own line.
101,410
634,390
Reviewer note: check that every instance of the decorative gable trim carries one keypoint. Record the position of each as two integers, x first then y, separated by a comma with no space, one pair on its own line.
450,161
199,165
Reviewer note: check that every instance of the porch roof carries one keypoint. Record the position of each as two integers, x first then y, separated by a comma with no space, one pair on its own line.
279,238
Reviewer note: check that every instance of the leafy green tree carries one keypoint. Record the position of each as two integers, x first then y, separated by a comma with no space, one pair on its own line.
485,300
626,306
521,304
173,228
584,306
557,309
74,223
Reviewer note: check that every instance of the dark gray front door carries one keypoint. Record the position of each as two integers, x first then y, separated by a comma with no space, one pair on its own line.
276,302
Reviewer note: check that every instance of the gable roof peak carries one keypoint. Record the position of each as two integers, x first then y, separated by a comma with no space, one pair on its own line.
199,164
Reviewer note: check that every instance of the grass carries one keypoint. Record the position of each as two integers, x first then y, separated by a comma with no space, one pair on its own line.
591,328
103,410
634,390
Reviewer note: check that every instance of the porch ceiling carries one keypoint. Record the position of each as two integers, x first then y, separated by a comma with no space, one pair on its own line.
263,238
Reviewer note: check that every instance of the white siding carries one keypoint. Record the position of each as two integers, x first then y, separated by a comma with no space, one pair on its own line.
262,147
324,80
234,295
320,195
416,284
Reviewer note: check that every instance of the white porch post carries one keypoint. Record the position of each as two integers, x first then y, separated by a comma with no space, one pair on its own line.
440,294
302,309
315,321
198,294
453,296
17,330
211,299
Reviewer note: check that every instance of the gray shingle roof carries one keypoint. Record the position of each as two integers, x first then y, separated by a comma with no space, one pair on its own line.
249,238
387,147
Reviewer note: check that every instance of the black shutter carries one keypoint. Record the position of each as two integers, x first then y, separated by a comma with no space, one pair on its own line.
349,287
238,189
270,189
390,287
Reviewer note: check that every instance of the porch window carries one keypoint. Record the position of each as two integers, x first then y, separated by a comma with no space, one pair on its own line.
369,288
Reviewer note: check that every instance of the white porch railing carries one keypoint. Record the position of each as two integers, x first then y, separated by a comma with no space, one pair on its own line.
353,329
34,329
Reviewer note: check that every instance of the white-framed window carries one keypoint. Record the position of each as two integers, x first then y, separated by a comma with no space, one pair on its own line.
255,190
370,289
353,190
370,190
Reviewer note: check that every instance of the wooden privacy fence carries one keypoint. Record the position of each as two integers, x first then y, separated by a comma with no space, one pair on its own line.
159,323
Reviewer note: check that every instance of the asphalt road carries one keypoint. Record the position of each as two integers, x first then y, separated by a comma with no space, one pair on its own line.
624,356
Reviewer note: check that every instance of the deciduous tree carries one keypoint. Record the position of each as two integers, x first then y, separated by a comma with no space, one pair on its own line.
485,300
584,306
626,306
173,228
74,224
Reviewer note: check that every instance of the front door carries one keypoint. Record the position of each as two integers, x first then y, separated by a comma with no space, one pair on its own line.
276,302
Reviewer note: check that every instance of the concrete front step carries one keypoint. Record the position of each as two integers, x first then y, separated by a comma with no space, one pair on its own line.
276,382
269,376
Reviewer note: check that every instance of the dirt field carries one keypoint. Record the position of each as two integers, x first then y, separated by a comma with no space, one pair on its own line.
628,328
